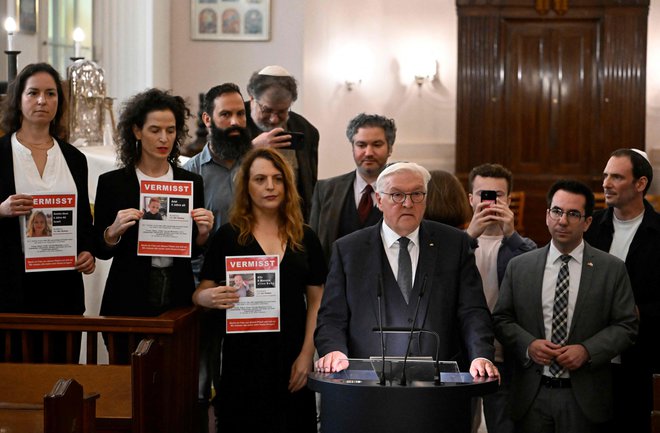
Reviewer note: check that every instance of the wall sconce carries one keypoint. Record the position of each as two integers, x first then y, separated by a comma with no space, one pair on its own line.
352,83
419,79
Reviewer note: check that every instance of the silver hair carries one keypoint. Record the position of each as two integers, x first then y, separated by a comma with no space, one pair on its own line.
398,167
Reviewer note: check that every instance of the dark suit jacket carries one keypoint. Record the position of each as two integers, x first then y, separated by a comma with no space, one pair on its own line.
327,203
57,292
453,306
125,289
643,264
603,322
308,156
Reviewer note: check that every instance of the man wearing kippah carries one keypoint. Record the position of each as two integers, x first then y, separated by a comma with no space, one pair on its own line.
630,229
272,90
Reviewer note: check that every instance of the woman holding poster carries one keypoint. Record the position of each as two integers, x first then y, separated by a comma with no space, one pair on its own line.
150,128
35,161
264,374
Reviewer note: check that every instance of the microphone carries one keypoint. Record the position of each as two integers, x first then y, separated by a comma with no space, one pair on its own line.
379,295
404,330
412,331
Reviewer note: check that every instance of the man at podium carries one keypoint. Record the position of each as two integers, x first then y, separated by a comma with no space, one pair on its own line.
411,273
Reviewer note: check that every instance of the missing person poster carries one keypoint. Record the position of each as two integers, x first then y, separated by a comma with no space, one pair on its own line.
257,279
49,238
165,229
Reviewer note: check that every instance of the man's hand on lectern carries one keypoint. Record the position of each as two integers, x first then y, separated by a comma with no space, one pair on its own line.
332,362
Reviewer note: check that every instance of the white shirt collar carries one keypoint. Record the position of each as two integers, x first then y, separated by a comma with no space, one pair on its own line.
576,254
390,236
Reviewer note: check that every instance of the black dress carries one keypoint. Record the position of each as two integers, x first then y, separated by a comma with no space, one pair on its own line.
252,394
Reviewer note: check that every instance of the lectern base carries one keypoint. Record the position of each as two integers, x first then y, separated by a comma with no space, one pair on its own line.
359,406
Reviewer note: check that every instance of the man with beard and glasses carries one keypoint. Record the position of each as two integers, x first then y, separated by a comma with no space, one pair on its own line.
217,163
346,203
272,91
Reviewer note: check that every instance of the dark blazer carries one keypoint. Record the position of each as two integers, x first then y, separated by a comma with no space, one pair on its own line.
308,156
327,203
603,322
643,264
453,306
125,289
56,292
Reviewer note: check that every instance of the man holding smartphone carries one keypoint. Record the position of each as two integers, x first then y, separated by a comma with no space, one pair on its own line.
495,242
271,123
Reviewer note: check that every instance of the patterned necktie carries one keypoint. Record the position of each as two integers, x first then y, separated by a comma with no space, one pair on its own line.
366,203
560,312
404,275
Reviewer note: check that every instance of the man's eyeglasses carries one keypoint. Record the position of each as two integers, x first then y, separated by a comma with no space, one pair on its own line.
572,216
267,111
400,197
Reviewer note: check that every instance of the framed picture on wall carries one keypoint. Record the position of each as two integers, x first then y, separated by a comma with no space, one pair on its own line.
230,20
27,16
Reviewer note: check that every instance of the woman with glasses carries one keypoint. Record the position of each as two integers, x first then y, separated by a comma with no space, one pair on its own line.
262,387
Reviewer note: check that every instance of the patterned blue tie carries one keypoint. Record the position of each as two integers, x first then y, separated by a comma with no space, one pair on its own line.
560,312
404,275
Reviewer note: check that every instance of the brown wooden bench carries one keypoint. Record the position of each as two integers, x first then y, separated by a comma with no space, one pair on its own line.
63,410
174,332
128,394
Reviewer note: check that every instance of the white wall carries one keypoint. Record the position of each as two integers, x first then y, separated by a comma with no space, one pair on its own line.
196,66
382,39
653,93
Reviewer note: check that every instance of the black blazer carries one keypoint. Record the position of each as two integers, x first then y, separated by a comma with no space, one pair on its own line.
55,292
125,289
642,263
327,204
453,306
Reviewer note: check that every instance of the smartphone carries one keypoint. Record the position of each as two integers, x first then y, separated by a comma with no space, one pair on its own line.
488,196
297,139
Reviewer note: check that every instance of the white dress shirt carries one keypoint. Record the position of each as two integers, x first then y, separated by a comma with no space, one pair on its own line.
391,245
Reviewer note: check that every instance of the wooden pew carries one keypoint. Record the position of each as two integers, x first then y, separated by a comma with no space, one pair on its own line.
128,394
175,332
63,410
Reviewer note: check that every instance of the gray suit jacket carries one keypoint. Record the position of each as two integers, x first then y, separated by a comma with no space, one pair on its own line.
327,204
453,306
603,322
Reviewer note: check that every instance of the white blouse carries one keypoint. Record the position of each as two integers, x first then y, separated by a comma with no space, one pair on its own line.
56,178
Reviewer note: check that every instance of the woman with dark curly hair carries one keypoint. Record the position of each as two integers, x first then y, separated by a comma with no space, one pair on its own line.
151,126
264,374
34,159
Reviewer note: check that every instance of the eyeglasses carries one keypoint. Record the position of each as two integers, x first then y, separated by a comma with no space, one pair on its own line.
400,197
267,111
572,216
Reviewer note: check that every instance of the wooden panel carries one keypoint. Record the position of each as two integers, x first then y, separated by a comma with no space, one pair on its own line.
550,87
623,103
549,96
479,89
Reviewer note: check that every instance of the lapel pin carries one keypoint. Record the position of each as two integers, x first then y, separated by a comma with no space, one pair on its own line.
590,264
431,244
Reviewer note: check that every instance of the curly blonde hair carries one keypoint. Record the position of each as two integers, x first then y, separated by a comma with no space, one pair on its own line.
241,214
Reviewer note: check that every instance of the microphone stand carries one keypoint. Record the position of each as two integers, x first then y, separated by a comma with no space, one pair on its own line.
412,331
379,295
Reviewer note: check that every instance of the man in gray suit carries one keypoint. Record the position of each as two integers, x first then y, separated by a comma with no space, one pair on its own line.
345,203
565,311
